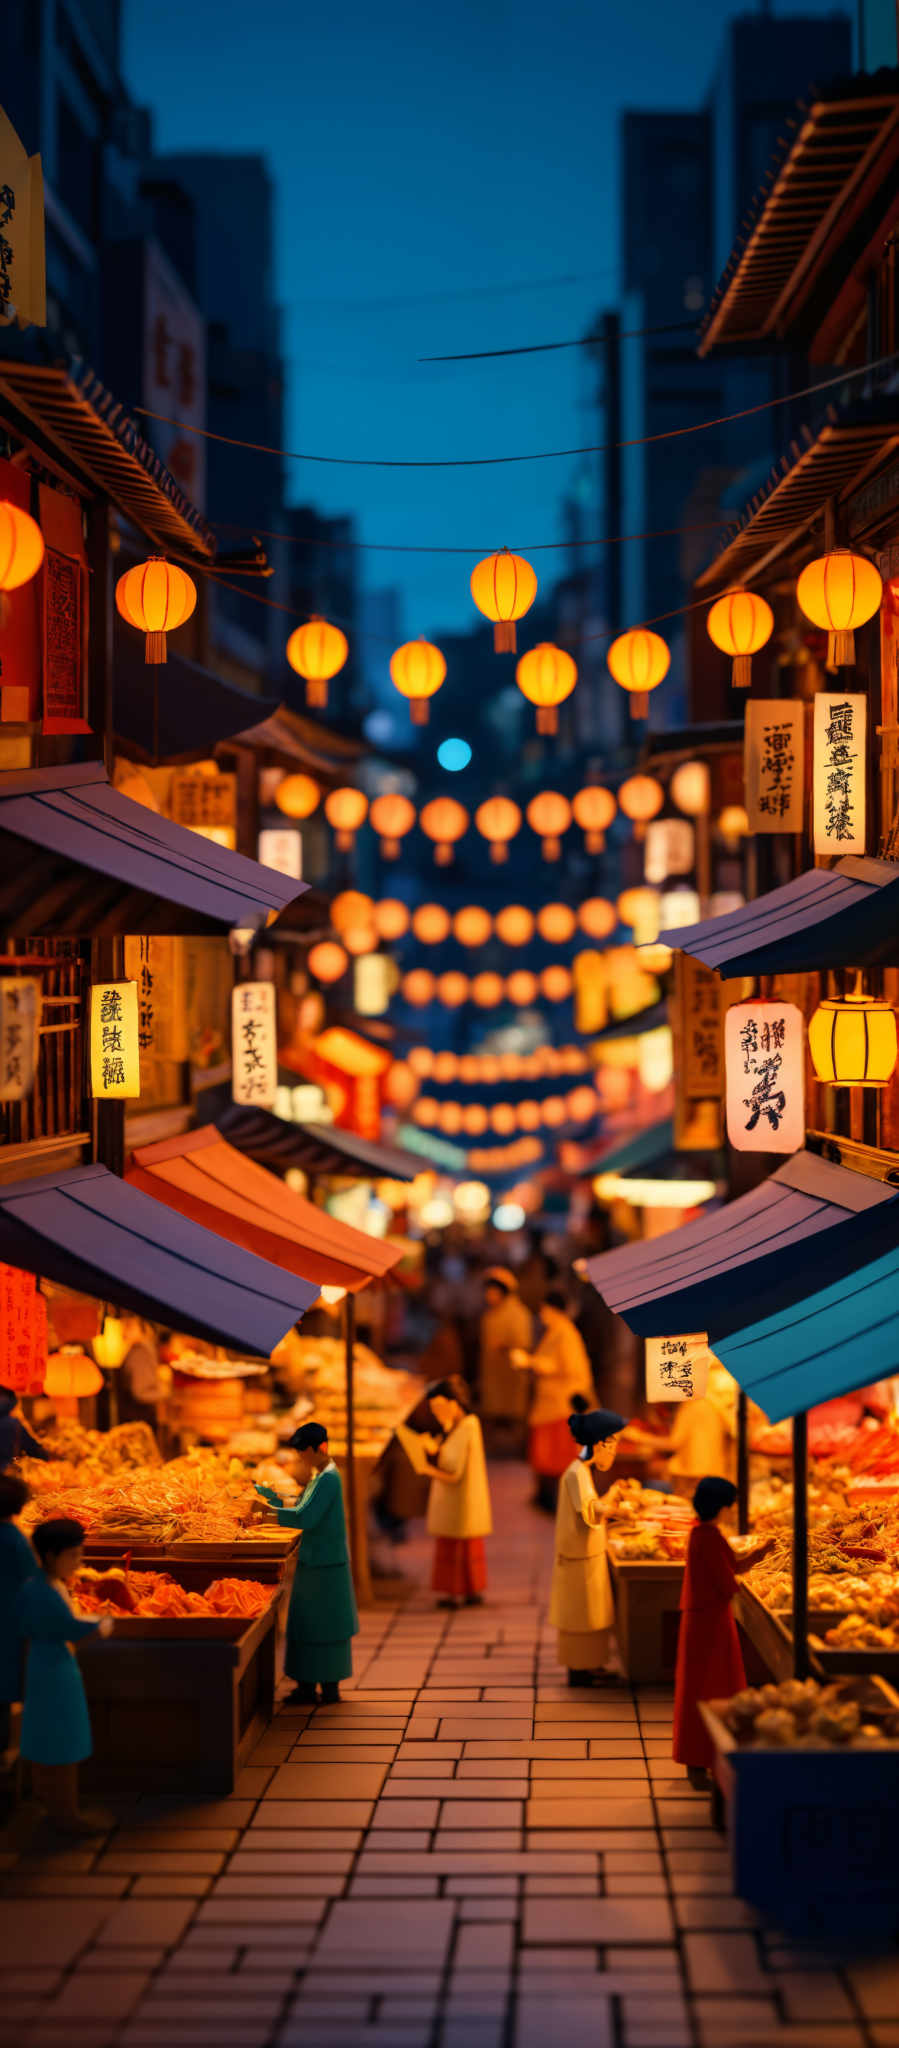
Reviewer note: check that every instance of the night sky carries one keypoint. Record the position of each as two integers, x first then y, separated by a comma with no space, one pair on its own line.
441,176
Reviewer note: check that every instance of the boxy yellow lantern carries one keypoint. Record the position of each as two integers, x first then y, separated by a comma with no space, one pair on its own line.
853,1041
115,1054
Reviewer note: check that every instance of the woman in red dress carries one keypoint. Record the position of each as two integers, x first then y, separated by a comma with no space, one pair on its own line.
709,1659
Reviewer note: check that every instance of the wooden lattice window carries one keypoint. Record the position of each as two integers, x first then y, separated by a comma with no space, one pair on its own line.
55,1106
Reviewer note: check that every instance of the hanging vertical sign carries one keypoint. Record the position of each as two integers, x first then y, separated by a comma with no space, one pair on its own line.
206,804
22,275
374,977
677,1368
774,764
22,1331
254,1044
764,1051
697,1012
114,1038
668,849
20,1020
281,848
591,1002
839,773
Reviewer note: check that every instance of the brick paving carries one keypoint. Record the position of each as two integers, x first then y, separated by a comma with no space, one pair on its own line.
464,1854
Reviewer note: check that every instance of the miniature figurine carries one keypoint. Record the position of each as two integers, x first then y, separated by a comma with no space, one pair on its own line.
56,1731
709,1658
581,1605
505,1326
17,1563
561,1371
16,1440
322,1617
459,1505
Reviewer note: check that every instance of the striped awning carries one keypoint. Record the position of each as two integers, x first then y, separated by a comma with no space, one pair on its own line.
847,916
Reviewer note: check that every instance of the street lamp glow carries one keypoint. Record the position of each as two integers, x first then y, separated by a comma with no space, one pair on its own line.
454,755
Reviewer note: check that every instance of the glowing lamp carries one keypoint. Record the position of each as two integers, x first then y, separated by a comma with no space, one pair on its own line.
471,1200
421,1060
653,1194
418,988
391,816
556,923
530,1115
640,798
504,587
640,909
487,990
297,796
583,1103
453,989
71,1377
450,1119
740,624
655,1059
21,550
509,1216
431,924
597,917
317,651
444,821
549,815
690,788
670,848
839,592
391,918
469,1070
593,809
360,939
522,988
446,1067
514,925
546,676
852,1040
498,820
426,1112
401,1085
639,661
346,809
474,1120
436,1214
350,909
556,984
472,926
678,907
555,1112
733,824
110,1344
155,597
327,961
417,670
503,1119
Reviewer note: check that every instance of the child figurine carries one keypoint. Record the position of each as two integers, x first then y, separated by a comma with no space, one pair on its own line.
322,1617
17,1563
56,1730
459,1505
581,1605
709,1659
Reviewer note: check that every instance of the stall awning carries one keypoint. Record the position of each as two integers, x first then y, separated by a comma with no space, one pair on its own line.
761,1252
175,711
86,1229
317,1148
283,738
206,1179
76,856
652,1018
847,450
643,1149
847,916
828,1344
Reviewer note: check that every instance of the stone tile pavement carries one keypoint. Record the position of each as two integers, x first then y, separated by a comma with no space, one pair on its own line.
464,1854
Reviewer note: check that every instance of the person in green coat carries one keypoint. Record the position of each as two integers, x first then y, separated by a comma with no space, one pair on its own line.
322,1617
56,1729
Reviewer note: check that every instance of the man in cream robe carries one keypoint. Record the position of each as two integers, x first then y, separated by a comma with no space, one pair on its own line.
581,1606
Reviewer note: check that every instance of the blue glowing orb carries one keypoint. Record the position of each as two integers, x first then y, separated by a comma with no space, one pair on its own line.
454,754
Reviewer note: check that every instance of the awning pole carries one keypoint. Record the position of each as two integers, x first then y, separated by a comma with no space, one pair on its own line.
742,1463
800,1546
349,1331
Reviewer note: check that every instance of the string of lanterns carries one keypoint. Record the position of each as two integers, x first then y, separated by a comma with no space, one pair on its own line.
474,1119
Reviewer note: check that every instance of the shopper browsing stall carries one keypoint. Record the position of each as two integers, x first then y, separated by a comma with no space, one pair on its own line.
459,1515
581,1605
17,1563
322,1617
56,1730
709,1658
505,1326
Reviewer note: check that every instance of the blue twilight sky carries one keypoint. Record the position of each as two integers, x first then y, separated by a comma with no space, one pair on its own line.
439,171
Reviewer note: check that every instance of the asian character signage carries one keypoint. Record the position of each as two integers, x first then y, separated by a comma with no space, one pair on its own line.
668,849
697,1012
764,1048
839,773
23,1331
157,965
254,1044
677,1368
22,272
774,764
20,1020
206,804
281,847
65,613
114,1038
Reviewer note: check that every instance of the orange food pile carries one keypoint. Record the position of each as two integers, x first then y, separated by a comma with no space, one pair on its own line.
157,1594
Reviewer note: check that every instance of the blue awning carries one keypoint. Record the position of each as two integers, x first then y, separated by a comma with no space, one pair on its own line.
76,856
176,710
844,1337
762,1252
847,916
86,1229
647,1146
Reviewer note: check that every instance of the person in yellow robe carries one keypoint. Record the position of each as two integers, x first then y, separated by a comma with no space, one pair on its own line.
561,1373
505,1327
459,1514
581,1606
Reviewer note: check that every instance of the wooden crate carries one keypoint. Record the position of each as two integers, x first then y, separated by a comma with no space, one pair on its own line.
647,1617
181,1711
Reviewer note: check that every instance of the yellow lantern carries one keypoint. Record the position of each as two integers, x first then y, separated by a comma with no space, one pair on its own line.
740,624
327,961
431,924
556,923
317,651
71,1377
346,809
297,796
114,1040
391,816
426,1112
21,550
852,1040
417,670
391,918
452,989
363,938
419,987
487,991
514,925
640,909
838,592
690,788
472,926
350,910
471,1200
733,824
640,798
498,820
444,821
597,917
549,815
110,1344
593,809
556,983
522,988
639,661
546,676
504,587
155,597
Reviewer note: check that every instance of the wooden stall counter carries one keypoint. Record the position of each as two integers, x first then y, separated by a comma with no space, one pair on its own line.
647,1614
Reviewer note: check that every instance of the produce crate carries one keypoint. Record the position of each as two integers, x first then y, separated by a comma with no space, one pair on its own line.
836,1660
647,1617
812,1833
269,1543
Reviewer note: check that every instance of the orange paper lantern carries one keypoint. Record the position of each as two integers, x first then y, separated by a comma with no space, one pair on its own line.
597,917
740,624
350,909
21,550
555,1112
514,925
639,661
529,1116
593,810
556,923
421,1060
546,676
504,587
346,809
71,1376
317,651
452,989
431,924
640,798
498,820
503,1119
391,816
327,961
360,938
474,1120
446,1067
418,987
549,815
297,796
522,988
556,984
583,1103
472,926
426,1112
445,821
417,670
155,597
401,1084
391,918
839,592
450,1119
487,991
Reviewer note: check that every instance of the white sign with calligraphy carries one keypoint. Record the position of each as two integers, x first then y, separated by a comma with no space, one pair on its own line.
281,848
254,1044
115,1040
677,1368
20,1018
774,764
839,773
764,1058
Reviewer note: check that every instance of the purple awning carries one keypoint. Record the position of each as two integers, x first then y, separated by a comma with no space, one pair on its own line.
847,916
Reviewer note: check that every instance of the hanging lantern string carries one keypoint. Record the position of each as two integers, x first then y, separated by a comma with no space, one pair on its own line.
537,455
535,547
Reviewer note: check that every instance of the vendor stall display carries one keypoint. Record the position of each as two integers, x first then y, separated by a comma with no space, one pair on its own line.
648,1533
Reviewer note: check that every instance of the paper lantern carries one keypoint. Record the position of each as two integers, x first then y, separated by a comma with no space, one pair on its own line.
498,820
350,909
426,1112
774,764
444,821
640,909
514,925
852,1040
655,1059
469,1071
391,816
71,1377
503,1119
733,824
549,815
504,587
346,809
446,1067
471,1200
740,624
418,988
362,938
487,990
597,917
639,661
110,1343
474,1120
453,989
431,924
450,1118
678,907
556,923
838,774
401,1085
327,961
529,1115
583,1103
839,592
491,1071
155,597
21,551
522,988
593,809
317,651
556,983
764,1058
114,1040
391,917
669,848
690,788
417,670
281,848
472,926
546,676
297,796
555,1112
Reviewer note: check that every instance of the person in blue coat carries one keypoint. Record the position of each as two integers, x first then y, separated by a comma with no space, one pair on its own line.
17,1563
322,1617
56,1729
16,1440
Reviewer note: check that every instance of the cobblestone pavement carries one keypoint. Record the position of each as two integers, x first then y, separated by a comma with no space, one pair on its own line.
464,1854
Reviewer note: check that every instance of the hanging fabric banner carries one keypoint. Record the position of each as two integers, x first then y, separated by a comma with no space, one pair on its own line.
677,1368
764,1050
20,1023
254,1044
774,764
839,773
22,1331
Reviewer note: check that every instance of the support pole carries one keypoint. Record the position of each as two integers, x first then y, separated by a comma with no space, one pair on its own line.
349,1332
800,1546
742,1463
